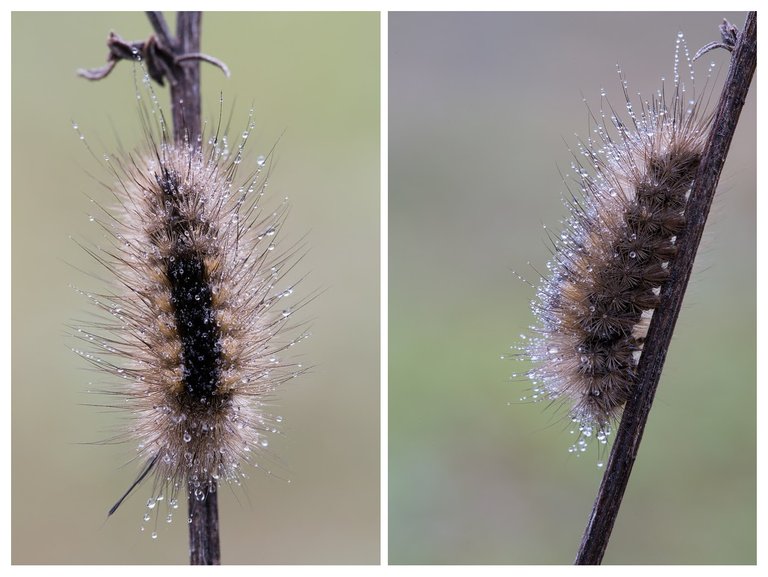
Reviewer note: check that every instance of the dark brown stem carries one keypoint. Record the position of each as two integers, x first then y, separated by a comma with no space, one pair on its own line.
161,28
176,59
625,447
185,92
204,529
185,108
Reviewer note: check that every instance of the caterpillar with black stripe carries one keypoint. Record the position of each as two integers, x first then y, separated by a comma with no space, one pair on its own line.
194,324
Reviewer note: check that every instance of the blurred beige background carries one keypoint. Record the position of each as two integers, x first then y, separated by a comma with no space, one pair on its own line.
313,77
479,108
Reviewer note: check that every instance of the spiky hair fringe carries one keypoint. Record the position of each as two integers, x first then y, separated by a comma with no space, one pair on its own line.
593,308
194,326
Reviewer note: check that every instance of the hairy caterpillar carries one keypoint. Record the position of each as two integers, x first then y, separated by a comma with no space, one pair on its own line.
193,326
614,253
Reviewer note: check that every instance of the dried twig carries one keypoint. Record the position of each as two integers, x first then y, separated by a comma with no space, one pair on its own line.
177,60
624,452
185,106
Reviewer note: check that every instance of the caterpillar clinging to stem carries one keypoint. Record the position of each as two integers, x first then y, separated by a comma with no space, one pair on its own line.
617,249
195,326
607,309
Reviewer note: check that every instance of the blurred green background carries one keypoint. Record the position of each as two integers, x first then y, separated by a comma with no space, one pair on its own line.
313,79
479,107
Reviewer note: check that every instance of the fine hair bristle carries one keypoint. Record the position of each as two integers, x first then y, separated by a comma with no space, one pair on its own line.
193,325
614,253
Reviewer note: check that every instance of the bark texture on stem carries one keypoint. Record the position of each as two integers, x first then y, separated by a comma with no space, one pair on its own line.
204,529
204,548
177,61
630,432
185,93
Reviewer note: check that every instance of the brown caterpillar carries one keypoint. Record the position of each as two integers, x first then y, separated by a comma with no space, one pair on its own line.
611,259
194,325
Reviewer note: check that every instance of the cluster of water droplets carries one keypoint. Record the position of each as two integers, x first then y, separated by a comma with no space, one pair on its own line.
158,508
585,430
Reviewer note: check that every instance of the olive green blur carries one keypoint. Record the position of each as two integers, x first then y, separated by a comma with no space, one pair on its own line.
313,80
482,110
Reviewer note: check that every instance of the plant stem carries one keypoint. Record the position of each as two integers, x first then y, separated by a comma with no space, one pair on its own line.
185,93
204,529
630,432
185,108
177,60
